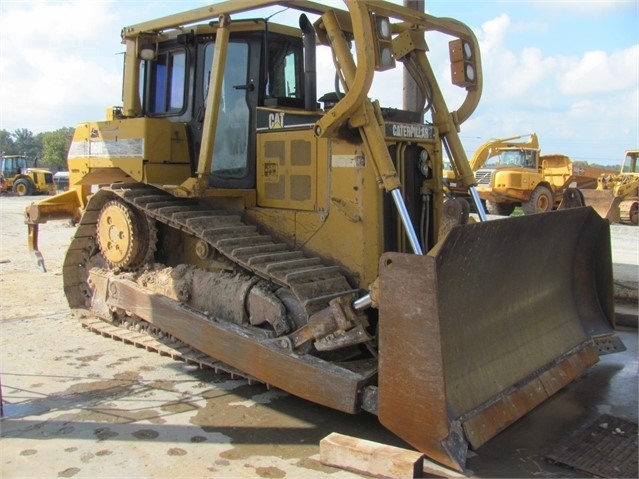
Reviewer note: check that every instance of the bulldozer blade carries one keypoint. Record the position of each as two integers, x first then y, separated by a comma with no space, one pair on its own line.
492,322
604,203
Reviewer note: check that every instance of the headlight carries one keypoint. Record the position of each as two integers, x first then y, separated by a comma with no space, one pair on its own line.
468,51
470,73
384,28
423,165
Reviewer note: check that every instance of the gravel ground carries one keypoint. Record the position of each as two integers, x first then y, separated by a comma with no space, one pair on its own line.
80,405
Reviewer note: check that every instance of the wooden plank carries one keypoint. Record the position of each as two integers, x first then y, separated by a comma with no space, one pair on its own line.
370,458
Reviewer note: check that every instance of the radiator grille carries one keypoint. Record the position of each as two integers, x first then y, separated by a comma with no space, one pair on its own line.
484,177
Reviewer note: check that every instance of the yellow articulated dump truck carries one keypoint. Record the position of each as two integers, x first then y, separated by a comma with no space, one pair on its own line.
512,172
617,195
297,237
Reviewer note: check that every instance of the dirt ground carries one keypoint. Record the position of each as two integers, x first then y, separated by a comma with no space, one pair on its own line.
80,405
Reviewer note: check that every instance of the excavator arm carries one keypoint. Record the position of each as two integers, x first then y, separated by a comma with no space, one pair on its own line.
492,148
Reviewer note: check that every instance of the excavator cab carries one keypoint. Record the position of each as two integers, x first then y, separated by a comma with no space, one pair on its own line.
311,247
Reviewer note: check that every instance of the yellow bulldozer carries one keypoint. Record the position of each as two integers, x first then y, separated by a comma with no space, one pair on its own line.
512,172
298,239
617,195
24,178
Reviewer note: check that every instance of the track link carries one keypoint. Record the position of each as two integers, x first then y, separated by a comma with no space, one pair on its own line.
313,283
165,347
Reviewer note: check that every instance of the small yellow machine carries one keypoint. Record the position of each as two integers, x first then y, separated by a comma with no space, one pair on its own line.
511,172
24,178
616,197
299,240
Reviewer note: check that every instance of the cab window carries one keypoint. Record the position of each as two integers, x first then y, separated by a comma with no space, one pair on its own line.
230,154
168,82
284,79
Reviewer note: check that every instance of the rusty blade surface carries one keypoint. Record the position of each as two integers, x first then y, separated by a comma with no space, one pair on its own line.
412,390
489,325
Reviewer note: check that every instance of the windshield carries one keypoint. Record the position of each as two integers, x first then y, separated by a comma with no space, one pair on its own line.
630,163
523,158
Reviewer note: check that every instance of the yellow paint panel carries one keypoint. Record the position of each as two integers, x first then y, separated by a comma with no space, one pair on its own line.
150,150
287,170
153,139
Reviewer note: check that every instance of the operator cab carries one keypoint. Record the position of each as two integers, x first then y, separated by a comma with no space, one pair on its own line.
14,165
630,164
264,67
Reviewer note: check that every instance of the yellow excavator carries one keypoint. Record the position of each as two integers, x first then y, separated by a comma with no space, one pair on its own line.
304,241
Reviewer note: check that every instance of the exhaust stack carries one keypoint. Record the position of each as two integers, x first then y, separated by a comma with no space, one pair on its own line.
310,72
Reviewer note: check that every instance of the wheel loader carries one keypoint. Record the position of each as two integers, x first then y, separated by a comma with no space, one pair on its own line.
303,238
617,195
24,178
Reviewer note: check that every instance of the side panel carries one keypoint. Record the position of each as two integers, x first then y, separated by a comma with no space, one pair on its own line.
342,222
149,150
412,388
287,169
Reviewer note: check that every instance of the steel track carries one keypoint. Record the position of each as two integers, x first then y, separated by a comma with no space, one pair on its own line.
313,283
165,347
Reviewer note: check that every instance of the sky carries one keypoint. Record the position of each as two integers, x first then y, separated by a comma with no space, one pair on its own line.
567,70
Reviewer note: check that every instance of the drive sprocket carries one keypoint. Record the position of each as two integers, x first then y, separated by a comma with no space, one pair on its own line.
124,235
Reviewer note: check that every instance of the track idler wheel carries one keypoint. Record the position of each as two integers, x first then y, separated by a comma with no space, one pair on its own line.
123,235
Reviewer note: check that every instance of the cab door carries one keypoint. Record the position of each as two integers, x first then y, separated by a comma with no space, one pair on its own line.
233,162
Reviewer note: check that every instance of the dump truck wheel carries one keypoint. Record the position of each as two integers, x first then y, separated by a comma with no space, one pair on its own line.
540,201
501,209
22,188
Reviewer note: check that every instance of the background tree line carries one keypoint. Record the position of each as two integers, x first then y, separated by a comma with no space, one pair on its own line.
49,147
